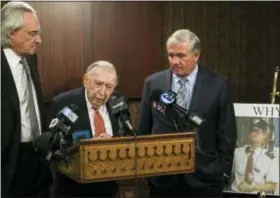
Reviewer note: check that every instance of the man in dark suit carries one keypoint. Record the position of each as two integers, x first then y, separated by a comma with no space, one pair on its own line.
206,94
100,81
23,174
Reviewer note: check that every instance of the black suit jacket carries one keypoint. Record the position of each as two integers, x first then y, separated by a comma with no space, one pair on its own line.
215,139
10,118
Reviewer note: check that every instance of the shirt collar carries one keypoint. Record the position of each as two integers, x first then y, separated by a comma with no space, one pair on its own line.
191,77
256,151
12,58
89,106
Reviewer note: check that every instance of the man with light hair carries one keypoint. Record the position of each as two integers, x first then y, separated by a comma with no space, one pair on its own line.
23,174
204,93
96,120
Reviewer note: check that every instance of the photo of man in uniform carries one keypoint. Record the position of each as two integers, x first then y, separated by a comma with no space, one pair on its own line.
255,167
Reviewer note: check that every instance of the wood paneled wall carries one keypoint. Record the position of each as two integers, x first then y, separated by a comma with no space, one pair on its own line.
239,39
75,34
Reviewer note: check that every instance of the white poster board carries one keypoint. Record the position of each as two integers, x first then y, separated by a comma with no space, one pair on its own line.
256,160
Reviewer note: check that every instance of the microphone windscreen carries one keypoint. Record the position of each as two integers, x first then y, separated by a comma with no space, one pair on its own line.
155,95
44,141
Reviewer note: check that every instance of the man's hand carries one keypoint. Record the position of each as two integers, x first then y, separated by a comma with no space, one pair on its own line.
104,135
245,187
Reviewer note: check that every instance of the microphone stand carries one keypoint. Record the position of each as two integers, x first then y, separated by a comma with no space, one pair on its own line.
134,132
63,150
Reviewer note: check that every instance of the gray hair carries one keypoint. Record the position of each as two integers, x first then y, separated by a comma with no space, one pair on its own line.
12,19
101,64
185,36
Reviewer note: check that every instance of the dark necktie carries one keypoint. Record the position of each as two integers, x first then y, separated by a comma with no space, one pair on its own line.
249,168
99,124
31,105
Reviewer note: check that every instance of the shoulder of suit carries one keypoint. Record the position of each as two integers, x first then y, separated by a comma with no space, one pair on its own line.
211,73
157,75
69,94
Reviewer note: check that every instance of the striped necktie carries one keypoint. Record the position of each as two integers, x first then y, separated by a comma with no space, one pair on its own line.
182,94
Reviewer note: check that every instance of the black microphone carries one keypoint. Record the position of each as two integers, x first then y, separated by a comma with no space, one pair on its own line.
62,123
65,118
165,102
119,108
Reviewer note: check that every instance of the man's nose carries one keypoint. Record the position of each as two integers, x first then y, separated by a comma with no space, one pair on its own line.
175,60
38,39
102,90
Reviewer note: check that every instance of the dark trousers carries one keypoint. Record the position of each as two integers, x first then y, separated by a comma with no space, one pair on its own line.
32,178
182,189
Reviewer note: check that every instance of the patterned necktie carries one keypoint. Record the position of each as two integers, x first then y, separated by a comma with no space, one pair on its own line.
99,124
249,168
182,93
30,94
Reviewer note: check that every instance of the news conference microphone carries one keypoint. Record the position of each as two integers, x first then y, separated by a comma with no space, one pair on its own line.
44,141
58,127
65,118
165,102
119,108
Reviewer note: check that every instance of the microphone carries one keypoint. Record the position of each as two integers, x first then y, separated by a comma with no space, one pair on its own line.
58,128
119,108
165,102
65,119
44,141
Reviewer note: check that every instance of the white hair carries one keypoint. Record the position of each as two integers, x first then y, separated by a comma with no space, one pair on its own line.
12,19
101,64
185,36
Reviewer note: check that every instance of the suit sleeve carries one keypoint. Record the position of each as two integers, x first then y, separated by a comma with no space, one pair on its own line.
146,119
227,132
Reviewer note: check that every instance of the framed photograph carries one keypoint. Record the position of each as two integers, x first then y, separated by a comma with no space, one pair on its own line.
256,158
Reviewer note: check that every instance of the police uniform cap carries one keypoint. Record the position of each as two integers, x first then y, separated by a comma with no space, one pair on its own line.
258,124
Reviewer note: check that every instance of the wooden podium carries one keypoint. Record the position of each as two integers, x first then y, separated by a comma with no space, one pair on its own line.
128,160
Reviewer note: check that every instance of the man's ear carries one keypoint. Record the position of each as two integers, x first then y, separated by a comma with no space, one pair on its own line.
11,34
197,57
85,80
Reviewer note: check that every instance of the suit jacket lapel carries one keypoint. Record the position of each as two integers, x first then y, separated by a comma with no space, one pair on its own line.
167,80
197,91
83,112
8,83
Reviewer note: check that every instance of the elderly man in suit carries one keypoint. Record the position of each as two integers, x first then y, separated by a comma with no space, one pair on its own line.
100,81
206,94
23,174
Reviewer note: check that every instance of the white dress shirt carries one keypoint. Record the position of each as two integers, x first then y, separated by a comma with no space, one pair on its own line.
18,72
103,112
189,84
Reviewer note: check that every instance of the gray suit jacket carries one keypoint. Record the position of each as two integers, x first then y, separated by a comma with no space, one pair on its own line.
216,138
